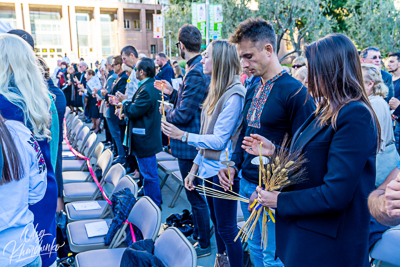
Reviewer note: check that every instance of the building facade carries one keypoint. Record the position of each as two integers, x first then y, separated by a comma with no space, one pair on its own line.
89,29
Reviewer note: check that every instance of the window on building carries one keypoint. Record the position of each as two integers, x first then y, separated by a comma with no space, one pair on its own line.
136,24
127,24
7,13
153,49
148,25
107,34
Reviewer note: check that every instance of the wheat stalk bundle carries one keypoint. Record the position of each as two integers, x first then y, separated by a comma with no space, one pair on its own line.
284,168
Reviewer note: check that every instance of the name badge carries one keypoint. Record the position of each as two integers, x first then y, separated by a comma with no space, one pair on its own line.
140,131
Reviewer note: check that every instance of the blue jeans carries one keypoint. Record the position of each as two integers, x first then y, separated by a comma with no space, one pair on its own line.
151,185
397,136
113,126
36,263
261,257
201,216
224,216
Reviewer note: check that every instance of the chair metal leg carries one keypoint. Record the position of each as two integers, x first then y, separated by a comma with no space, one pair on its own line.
176,196
164,180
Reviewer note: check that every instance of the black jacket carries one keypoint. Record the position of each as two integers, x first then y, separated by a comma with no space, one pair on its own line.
324,221
388,81
144,127
119,85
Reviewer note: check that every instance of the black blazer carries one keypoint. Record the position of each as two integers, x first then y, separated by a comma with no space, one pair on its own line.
324,221
119,85
144,127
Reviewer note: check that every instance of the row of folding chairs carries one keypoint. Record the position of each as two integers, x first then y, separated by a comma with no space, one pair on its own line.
80,188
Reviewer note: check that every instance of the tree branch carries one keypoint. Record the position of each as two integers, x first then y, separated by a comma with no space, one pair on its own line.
288,54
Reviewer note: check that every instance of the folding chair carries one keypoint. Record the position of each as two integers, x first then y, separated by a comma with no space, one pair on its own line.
67,112
72,139
387,248
85,190
105,211
88,151
145,215
164,156
168,167
183,253
176,175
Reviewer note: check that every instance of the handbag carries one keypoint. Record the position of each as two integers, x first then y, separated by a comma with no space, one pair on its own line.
386,162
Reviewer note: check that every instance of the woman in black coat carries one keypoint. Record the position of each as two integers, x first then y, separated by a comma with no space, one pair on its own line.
324,221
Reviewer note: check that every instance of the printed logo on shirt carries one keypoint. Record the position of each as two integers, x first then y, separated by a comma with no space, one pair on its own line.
42,163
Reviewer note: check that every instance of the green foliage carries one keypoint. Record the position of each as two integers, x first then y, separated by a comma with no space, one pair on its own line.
176,16
374,23
366,22
301,21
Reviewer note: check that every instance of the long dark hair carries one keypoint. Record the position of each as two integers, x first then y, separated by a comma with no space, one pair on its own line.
12,167
335,77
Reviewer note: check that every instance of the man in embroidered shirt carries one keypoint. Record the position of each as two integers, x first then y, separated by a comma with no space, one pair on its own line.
273,107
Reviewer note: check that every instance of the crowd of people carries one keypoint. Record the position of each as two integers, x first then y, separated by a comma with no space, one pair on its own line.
233,102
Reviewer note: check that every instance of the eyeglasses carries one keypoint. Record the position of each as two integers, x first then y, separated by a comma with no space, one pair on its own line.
297,66
375,57
177,44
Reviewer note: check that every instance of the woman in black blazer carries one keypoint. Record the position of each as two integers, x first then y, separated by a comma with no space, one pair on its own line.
324,221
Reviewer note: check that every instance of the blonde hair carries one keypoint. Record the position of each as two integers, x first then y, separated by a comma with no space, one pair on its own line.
301,74
372,73
126,68
22,83
300,60
225,66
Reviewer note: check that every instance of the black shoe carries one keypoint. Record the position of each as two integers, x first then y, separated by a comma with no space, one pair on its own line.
120,160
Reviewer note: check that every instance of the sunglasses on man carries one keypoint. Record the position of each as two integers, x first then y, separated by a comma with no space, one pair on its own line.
376,57
297,66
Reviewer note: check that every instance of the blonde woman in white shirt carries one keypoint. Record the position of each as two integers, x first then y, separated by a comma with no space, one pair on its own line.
377,91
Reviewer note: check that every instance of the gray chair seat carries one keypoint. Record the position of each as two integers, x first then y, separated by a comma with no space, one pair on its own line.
72,165
65,146
79,215
79,191
100,258
168,167
164,156
387,248
79,240
74,177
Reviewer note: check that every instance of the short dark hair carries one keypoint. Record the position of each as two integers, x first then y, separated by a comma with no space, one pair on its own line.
256,30
91,72
175,62
395,54
190,37
129,49
118,60
64,63
364,52
24,35
162,55
148,66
